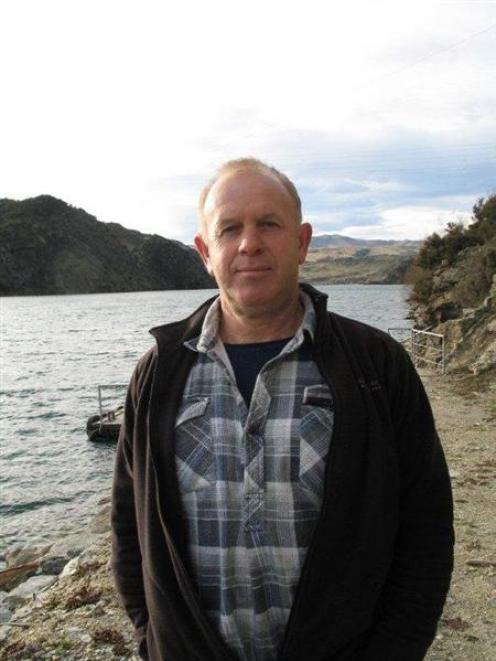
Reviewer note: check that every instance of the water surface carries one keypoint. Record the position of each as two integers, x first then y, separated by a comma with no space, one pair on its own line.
54,351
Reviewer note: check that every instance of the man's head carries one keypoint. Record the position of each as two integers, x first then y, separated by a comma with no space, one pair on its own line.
252,238
250,165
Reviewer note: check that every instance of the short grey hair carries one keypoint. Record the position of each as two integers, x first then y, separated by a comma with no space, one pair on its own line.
250,164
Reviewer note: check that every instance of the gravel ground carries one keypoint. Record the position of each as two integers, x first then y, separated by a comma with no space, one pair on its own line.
79,618
465,413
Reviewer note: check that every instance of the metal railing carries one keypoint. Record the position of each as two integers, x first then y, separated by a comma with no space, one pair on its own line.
423,346
116,386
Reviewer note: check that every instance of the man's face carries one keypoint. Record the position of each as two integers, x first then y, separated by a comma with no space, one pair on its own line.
251,242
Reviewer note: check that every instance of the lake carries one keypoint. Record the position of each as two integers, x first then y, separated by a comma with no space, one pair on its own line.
54,351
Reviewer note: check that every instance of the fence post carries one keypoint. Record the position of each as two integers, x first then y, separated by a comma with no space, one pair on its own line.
420,341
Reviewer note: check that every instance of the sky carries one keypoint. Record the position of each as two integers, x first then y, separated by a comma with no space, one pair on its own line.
382,113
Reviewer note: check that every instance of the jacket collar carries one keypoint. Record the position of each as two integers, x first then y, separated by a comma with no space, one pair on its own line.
191,327
183,330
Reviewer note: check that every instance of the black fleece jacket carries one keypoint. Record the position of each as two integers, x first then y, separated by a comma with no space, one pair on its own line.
378,568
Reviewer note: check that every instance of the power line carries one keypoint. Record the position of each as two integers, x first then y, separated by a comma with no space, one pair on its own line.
442,50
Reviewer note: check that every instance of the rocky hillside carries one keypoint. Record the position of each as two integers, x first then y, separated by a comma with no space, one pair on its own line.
50,247
454,289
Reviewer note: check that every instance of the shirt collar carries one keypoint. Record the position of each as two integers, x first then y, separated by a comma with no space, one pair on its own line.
209,339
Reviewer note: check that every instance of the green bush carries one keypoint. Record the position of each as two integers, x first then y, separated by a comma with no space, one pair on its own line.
421,281
475,280
483,229
477,269
431,253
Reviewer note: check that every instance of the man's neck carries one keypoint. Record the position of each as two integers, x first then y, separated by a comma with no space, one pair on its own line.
276,325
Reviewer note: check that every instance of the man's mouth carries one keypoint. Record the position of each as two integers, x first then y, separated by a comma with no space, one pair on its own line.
253,269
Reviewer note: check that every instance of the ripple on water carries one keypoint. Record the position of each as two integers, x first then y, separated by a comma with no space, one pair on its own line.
49,415
28,431
30,505
13,455
23,392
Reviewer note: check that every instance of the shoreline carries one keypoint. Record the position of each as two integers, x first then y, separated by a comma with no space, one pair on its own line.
78,618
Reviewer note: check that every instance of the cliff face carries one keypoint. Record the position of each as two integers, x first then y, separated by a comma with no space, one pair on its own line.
50,247
469,332
454,290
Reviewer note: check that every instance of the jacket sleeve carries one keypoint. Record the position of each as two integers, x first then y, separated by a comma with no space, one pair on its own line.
413,596
126,554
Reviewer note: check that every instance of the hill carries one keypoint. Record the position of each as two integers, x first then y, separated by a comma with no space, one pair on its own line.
336,259
50,247
339,241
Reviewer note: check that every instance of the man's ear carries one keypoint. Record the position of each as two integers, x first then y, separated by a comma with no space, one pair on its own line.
305,231
202,250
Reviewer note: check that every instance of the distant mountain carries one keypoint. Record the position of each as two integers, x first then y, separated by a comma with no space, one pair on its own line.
364,269
50,247
340,241
337,259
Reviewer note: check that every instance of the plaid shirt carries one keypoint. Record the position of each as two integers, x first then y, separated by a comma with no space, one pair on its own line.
251,483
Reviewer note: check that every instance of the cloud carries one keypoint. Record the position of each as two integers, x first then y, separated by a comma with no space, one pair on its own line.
411,222
126,109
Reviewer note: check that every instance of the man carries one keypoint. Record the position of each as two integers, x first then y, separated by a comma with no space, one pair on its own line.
280,491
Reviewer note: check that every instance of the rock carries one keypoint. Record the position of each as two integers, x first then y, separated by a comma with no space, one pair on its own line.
25,554
72,545
90,557
77,635
101,522
53,564
460,304
71,568
447,311
5,614
481,563
14,576
25,592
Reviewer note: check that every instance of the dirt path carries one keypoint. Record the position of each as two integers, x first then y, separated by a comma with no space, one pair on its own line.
465,413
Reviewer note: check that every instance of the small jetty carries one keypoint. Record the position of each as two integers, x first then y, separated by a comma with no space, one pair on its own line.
106,424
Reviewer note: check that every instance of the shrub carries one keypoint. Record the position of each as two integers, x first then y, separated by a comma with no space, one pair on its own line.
477,268
421,280
431,253
483,229
475,280
455,240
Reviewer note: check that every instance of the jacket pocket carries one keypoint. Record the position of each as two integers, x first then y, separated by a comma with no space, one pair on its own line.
195,465
316,425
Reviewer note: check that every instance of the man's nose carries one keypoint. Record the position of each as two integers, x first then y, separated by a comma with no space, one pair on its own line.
251,242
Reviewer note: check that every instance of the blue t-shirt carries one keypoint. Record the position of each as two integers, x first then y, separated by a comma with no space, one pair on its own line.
248,359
